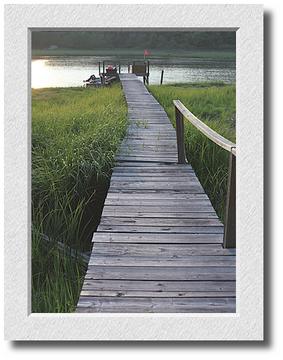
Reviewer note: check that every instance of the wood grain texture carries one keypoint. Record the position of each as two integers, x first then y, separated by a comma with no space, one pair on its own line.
158,247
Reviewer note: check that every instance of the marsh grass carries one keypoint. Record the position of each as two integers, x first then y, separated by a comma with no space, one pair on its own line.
75,135
214,104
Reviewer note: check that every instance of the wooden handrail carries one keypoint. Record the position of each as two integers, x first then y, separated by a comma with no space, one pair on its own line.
229,240
203,128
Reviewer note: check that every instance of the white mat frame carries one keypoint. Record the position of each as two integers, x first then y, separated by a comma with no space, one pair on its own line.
247,323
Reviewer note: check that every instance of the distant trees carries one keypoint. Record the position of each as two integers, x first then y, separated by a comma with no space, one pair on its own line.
134,39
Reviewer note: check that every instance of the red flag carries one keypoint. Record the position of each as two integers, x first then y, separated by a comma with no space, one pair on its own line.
146,52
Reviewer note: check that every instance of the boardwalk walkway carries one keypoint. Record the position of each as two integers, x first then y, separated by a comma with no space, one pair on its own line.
158,247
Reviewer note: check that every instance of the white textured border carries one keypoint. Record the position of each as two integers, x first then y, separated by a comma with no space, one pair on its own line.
247,323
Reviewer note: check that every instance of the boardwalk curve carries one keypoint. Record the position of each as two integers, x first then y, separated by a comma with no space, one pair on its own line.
158,247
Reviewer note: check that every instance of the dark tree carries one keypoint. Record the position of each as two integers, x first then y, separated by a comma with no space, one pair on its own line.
134,39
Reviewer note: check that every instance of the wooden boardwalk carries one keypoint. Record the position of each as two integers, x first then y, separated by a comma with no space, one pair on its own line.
158,247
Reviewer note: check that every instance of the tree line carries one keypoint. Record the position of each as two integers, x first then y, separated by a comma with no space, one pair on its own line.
134,39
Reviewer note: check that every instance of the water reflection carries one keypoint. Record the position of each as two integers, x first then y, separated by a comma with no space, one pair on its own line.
65,71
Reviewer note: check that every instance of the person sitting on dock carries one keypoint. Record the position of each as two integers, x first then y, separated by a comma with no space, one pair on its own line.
92,78
92,81
111,70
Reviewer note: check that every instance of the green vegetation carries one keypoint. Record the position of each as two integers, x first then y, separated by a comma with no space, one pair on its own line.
75,135
182,40
215,105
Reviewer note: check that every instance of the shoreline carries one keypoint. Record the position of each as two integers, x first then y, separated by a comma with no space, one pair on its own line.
225,55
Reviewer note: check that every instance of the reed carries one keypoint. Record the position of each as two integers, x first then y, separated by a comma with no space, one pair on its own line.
75,135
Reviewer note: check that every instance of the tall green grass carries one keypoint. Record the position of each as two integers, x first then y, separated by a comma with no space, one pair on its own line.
214,104
75,135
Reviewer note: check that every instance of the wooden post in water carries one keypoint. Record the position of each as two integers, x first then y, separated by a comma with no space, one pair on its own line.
103,67
99,68
161,79
119,67
180,137
230,215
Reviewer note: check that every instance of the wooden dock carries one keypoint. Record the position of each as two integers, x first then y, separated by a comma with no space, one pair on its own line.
158,247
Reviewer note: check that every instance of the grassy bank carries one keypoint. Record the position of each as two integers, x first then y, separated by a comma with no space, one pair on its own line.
75,134
137,52
213,103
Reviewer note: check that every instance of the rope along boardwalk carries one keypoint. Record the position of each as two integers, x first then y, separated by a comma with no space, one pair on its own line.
158,247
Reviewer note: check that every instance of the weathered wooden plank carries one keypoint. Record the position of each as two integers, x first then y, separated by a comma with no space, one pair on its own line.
151,285
167,305
147,153
144,155
157,294
149,174
155,165
161,202
185,222
187,197
160,179
150,120
129,212
144,150
157,186
124,181
150,141
156,191
156,139
164,261
143,158
151,146
167,250
162,229
158,238
156,170
150,134
157,278
155,124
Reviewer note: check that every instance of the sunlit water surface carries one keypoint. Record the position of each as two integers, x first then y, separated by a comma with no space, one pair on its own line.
66,71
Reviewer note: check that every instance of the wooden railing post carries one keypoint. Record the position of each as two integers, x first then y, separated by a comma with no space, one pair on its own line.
229,240
180,136
161,78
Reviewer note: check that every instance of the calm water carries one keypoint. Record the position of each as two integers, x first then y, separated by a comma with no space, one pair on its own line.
65,71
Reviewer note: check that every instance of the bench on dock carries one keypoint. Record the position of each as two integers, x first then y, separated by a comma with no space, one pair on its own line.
141,69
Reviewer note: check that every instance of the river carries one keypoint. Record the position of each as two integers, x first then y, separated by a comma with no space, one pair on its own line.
66,71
